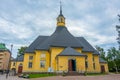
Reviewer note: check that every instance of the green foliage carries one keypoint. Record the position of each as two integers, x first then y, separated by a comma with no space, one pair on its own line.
112,56
114,59
102,52
63,74
85,73
21,50
41,75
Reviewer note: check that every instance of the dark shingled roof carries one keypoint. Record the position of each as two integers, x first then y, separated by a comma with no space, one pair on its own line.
38,40
70,52
19,58
60,38
86,46
102,61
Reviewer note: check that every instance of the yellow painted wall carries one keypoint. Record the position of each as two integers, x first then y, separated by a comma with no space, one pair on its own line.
63,63
80,64
97,64
13,66
54,52
37,67
36,61
90,62
26,61
60,63
16,65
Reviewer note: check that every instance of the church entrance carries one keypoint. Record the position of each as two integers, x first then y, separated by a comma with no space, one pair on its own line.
72,65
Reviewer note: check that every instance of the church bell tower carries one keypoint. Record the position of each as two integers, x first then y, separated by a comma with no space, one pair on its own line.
60,18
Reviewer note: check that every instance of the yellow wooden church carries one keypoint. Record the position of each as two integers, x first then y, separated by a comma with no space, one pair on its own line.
60,52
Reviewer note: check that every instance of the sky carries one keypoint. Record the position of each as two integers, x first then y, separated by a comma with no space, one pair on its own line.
22,21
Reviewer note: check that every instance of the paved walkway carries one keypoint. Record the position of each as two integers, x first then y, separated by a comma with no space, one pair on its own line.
3,77
101,77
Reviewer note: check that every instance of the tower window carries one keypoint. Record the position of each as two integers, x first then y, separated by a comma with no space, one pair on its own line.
61,20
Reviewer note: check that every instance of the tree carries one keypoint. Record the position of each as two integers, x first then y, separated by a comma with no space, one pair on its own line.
102,52
113,58
21,50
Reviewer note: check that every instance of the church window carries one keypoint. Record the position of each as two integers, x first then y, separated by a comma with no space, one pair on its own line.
43,54
94,65
30,65
42,63
61,20
93,59
30,57
86,64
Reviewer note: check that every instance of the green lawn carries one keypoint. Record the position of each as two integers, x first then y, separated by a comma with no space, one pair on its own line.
41,75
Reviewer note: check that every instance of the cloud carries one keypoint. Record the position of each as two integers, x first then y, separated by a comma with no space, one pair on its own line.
21,21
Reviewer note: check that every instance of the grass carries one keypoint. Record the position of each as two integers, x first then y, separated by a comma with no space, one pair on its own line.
41,75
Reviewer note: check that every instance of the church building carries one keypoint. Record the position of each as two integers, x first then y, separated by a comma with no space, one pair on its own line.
62,52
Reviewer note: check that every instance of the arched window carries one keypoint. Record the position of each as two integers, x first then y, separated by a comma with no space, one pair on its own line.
20,64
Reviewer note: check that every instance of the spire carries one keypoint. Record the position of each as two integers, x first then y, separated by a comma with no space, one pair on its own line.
61,18
60,8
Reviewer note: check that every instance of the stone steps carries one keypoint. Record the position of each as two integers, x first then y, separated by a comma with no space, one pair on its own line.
74,73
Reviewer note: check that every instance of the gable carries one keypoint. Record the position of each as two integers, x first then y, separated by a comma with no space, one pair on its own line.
70,52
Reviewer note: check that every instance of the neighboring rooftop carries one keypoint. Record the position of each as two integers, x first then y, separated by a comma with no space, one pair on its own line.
102,61
19,58
2,46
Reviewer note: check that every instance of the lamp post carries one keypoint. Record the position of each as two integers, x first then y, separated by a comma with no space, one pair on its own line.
118,30
9,63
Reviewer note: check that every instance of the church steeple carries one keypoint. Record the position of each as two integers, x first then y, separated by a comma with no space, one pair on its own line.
60,8
61,18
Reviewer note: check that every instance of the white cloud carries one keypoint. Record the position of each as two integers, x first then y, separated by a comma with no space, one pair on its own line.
14,29
88,18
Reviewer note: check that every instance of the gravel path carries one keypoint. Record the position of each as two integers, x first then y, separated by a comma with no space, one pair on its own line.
101,77
3,77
